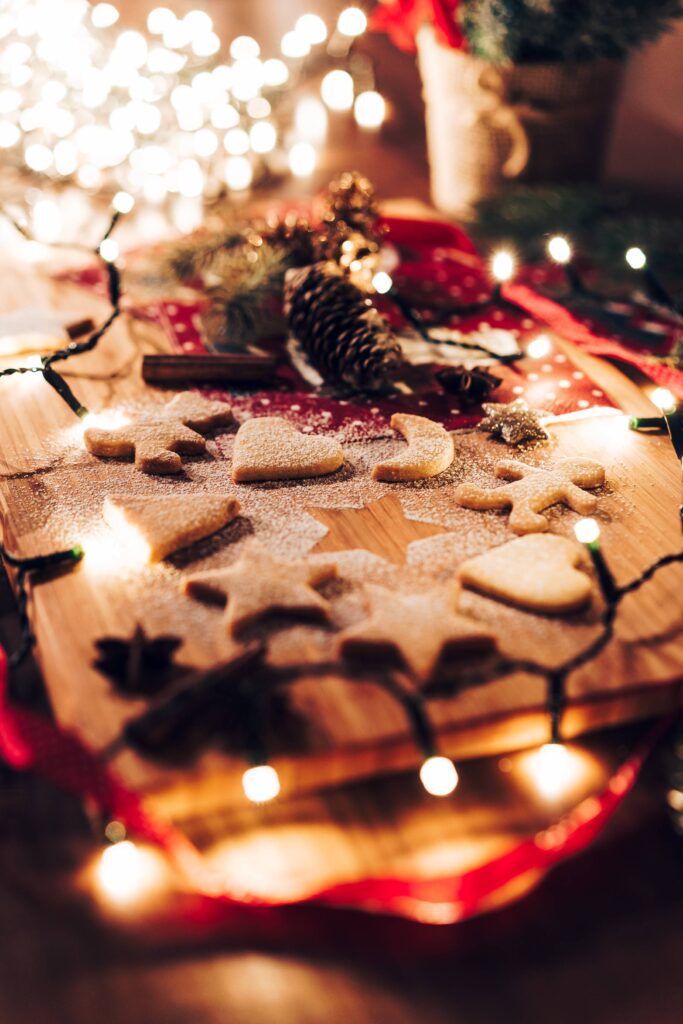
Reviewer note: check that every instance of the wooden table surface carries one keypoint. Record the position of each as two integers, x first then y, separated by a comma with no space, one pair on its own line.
599,941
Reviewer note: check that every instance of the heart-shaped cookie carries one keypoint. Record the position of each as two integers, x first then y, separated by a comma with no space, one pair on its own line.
536,572
270,448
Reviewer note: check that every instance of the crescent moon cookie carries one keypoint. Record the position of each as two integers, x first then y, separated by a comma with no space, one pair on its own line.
430,450
533,490
270,448
538,572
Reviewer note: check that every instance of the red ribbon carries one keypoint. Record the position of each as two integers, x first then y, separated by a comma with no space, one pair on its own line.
30,741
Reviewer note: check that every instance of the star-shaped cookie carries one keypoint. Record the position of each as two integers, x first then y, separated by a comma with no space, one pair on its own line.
421,629
259,584
158,440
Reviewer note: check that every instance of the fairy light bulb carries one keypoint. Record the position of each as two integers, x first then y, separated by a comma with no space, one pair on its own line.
553,770
236,142
352,22
438,775
310,119
312,28
261,783
37,156
302,159
9,135
159,19
46,220
559,249
275,72
126,873
369,109
294,45
262,137
104,15
244,47
539,347
502,265
382,282
123,202
587,531
336,90
238,173
663,399
109,250
636,258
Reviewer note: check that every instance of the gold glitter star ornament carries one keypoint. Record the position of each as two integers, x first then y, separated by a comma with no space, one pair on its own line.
514,423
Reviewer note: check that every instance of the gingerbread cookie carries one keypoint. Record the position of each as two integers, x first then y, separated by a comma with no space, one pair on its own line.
430,450
270,448
167,524
158,440
422,629
538,572
536,489
259,584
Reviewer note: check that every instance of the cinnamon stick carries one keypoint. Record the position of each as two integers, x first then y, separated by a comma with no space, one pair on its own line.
226,366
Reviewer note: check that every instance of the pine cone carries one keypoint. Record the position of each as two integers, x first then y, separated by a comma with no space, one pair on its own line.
341,332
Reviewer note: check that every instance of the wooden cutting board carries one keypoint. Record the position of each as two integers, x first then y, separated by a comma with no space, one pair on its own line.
51,493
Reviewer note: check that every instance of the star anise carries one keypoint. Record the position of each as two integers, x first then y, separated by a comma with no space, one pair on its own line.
514,423
472,384
140,665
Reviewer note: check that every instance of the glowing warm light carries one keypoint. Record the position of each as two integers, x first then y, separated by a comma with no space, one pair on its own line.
539,347
238,173
310,119
199,23
559,249
312,28
109,250
159,19
503,265
38,157
123,202
302,159
663,399
244,46
635,257
294,46
104,15
262,137
125,872
261,783
247,78
352,22
47,221
555,770
275,72
438,775
133,547
206,44
9,135
587,531
382,282
337,90
369,109
205,142
236,142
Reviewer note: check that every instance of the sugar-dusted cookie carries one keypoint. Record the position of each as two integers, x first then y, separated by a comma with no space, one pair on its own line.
158,440
259,584
430,450
270,448
166,524
422,629
536,489
537,572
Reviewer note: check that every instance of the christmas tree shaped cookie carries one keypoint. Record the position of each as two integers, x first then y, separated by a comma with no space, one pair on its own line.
430,450
270,448
158,526
158,440
533,490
